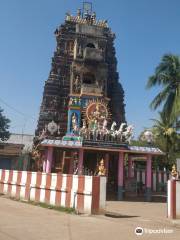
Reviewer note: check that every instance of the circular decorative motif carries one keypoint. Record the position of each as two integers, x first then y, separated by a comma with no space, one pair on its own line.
96,111
52,127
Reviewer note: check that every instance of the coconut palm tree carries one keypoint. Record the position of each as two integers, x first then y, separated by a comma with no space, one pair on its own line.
167,75
166,136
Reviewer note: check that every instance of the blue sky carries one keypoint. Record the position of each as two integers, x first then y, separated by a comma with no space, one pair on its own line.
145,30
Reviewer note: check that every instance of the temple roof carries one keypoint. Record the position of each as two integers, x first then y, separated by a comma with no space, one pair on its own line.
145,149
124,147
86,16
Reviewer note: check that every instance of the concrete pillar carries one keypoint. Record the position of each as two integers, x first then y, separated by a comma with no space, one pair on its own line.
130,167
44,165
120,176
148,178
71,164
107,164
49,159
80,161
44,160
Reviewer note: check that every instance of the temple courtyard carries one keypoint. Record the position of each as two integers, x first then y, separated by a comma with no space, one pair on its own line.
24,221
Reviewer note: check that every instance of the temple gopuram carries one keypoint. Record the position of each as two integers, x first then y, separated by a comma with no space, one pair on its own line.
82,127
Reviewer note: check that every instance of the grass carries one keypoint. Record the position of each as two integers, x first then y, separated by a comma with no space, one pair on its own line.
48,206
44,205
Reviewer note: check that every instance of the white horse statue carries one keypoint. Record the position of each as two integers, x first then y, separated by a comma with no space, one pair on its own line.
112,131
103,131
119,132
128,134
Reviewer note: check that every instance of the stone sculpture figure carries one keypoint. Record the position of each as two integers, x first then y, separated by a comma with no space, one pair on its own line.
128,134
77,85
83,130
101,168
74,123
112,132
174,173
119,132
104,130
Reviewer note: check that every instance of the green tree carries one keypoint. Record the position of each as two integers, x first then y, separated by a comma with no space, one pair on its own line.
4,126
166,137
167,75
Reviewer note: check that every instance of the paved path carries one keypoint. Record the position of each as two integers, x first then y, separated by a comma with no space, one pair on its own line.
20,221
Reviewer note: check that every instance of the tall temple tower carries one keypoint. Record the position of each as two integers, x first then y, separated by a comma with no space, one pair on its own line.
84,69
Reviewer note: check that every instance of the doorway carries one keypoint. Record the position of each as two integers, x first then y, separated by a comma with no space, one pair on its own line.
112,177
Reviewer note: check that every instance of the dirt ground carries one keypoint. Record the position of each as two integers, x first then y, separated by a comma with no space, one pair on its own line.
21,221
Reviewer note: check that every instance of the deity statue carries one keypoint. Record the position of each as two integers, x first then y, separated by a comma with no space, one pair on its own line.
77,84
96,114
74,122
70,101
174,172
101,168
83,130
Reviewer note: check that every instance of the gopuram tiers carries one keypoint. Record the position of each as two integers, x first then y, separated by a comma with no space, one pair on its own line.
82,128
83,71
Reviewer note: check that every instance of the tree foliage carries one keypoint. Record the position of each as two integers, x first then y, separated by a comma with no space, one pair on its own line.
4,127
166,138
167,76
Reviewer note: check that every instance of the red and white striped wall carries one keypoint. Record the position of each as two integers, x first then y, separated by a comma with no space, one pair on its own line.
87,194
173,199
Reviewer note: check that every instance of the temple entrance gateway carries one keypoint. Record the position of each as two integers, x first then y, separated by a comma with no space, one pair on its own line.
116,164
82,128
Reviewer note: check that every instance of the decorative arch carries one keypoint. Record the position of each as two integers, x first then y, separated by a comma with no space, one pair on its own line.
90,45
89,78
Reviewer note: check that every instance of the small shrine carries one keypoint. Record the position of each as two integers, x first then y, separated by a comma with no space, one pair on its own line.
82,127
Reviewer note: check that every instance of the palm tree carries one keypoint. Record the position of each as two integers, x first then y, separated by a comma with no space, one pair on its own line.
167,75
165,135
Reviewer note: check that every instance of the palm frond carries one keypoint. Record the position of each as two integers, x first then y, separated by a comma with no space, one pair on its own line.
167,74
160,98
